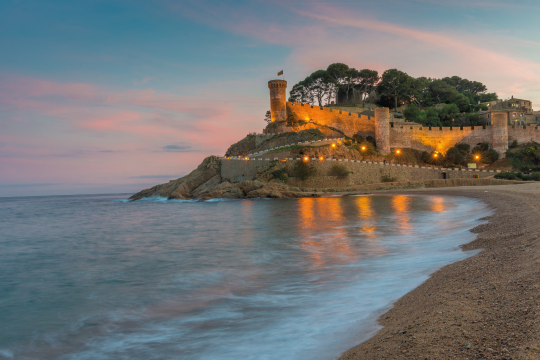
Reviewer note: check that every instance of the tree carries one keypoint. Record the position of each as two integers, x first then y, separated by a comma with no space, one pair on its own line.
441,91
302,93
418,91
396,83
268,117
412,113
454,156
320,81
448,113
432,118
367,81
338,72
351,79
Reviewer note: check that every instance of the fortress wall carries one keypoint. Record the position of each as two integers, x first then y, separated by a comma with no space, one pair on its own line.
236,171
440,139
531,133
349,123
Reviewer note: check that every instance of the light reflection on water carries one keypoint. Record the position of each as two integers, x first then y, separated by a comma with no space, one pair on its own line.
91,278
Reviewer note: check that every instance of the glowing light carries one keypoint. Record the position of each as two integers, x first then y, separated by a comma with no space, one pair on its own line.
478,157
363,148
333,145
434,155
321,158
246,158
306,158
397,151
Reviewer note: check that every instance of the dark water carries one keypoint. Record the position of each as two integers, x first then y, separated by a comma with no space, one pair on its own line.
92,277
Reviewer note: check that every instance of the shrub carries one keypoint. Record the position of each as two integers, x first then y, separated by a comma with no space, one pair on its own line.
339,170
366,148
525,177
536,176
280,174
303,170
463,148
490,156
358,138
347,142
425,156
514,144
386,178
453,156
412,113
371,139
483,146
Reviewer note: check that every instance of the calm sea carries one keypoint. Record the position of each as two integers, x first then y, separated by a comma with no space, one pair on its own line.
96,277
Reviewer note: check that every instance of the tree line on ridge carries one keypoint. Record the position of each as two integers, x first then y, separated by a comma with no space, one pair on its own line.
430,101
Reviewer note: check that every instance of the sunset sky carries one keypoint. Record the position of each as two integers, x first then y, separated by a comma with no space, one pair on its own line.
117,95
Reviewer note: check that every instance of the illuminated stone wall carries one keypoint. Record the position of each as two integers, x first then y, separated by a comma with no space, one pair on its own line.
348,123
235,171
440,139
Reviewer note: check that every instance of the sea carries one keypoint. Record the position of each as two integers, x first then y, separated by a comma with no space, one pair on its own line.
98,277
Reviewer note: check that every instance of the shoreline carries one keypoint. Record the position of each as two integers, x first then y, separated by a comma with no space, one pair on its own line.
485,306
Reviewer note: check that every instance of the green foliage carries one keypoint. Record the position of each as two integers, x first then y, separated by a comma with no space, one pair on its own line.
435,158
432,118
280,174
395,83
366,148
268,117
490,156
339,170
454,156
371,140
535,176
358,138
514,144
412,113
447,113
304,170
347,142
292,119
506,176
463,148
387,178
395,87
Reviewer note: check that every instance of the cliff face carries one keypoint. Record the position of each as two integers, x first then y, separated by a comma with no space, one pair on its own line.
207,175
205,183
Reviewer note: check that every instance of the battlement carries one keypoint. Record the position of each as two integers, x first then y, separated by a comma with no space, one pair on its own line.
293,107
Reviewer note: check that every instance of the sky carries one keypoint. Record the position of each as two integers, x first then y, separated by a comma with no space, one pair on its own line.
113,96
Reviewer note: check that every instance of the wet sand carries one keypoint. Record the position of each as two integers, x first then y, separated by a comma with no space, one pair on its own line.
484,307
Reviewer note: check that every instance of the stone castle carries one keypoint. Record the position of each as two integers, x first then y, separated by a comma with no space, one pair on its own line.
390,135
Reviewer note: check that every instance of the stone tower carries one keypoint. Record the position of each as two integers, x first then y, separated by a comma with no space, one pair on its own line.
499,131
382,130
278,99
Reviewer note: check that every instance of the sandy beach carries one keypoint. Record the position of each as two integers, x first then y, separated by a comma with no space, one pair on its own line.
484,307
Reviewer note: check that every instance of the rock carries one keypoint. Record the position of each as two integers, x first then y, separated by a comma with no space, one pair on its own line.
183,187
207,186
249,186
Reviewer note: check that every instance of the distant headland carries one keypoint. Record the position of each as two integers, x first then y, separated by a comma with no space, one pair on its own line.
350,141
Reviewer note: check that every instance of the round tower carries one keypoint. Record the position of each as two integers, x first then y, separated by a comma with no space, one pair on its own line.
278,99
499,131
382,130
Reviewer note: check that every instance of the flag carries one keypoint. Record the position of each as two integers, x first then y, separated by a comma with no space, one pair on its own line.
280,73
